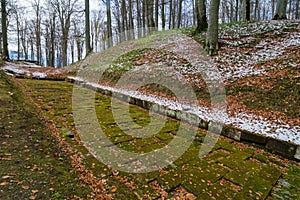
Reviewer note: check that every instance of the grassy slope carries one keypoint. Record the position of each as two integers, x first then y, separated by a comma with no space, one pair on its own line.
276,91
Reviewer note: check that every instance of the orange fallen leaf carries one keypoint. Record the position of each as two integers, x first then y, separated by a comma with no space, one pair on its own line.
3,183
32,197
5,177
25,187
34,191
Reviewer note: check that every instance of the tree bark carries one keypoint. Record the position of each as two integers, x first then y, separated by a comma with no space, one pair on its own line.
280,10
109,29
163,18
130,23
179,14
5,53
246,10
156,14
201,16
139,19
297,10
87,28
170,13
236,10
211,44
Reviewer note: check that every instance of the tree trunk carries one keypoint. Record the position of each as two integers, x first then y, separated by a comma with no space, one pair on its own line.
156,14
297,10
246,10
150,12
256,10
201,16
109,29
179,14
163,18
131,23
139,19
5,53
123,21
280,10
72,51
87,28
211,44
173,13
236,10
31,47
52,36
18,36
170,13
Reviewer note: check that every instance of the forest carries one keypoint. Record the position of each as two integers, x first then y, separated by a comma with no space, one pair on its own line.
57,33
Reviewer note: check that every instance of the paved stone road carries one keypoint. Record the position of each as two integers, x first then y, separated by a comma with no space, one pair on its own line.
231,171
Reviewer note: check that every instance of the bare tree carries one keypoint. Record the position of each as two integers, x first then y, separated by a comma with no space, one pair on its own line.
65,9
37,28
87,28
5,53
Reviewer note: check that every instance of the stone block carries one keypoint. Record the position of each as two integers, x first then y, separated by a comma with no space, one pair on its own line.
297,154
232,133
284,148
252,137
215,127
171,113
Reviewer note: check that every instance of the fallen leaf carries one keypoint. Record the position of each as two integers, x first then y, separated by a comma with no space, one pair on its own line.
5,177
32,197
25,187
3,183
114,189
34,191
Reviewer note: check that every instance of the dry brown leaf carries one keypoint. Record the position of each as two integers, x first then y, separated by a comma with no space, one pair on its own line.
32,197
3,183
6,177
25,187
34,191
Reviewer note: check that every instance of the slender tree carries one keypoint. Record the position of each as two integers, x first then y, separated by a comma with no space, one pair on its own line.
108,23
179,13
37,28
211,44
297,16
5,53
163,18
87,28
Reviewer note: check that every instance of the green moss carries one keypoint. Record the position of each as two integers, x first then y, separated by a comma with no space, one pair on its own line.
261,158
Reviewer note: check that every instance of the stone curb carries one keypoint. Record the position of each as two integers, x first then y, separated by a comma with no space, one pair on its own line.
286,149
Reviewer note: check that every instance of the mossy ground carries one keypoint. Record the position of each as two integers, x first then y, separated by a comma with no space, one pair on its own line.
31,162
231,171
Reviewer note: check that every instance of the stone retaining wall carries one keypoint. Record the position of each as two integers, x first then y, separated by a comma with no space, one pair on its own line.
286,149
